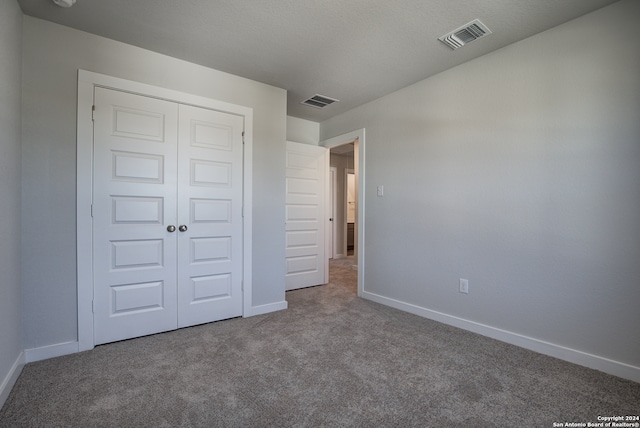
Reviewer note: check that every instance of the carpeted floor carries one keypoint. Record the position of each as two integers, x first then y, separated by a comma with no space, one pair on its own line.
330,360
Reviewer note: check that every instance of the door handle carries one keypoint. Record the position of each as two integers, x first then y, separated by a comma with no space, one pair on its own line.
171,228
182,228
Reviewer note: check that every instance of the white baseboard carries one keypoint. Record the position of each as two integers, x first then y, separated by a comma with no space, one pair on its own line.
596,362
265,309
51,351
11,378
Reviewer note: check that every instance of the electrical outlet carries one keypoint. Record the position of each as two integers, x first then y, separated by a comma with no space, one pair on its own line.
464,286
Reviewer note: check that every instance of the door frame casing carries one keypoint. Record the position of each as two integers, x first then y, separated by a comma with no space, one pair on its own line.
87,81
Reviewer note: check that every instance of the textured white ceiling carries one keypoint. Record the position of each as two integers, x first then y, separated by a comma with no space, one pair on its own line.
352,50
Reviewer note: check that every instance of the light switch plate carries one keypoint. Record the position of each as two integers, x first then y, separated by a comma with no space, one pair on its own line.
464,286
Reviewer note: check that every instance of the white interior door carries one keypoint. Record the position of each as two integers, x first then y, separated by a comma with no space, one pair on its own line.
306,219
167,215
134,264
209,216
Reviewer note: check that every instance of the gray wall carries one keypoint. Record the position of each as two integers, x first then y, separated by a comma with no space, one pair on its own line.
303,131
10,300
52,56
519,171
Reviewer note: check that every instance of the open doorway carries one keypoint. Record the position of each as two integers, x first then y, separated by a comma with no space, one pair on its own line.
352,200
344,200
343,266
347,152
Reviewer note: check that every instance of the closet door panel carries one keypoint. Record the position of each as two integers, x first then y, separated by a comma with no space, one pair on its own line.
134,201
210,210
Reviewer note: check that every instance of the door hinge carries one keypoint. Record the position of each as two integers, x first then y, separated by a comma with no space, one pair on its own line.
242,286
242,137
93,306
93,110
91,210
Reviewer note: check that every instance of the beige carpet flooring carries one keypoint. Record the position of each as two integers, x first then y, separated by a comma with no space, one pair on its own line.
330,360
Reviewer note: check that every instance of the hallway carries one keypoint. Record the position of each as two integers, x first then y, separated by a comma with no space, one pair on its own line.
343,274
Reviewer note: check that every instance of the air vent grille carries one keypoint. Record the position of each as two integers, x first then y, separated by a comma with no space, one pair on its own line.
319,101
465,34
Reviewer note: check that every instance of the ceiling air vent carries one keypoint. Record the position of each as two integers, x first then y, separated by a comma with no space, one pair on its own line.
319,101
465,34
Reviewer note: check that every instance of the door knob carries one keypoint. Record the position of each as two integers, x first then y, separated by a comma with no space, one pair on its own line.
171,228
182,228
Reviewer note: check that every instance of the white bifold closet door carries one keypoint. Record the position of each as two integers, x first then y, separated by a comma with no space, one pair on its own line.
167,215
